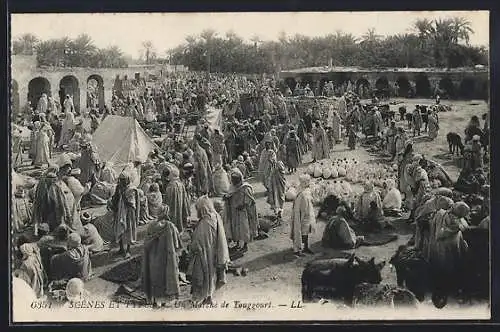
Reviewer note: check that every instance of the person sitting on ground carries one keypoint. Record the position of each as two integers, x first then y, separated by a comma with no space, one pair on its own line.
51,245
92,239
31,269
73,263
423,216
338,234
470,181
392,200
365,208
436,172
447,245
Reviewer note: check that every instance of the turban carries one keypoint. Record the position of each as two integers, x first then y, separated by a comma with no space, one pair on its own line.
460,209
85,218
74,240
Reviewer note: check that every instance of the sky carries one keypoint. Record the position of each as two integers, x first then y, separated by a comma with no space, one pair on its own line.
168,30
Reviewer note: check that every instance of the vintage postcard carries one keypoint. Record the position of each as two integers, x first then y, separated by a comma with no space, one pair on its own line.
250,166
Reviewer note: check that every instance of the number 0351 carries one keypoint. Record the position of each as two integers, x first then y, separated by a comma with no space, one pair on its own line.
41,305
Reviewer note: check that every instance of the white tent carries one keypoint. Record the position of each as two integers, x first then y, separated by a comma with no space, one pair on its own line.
121,140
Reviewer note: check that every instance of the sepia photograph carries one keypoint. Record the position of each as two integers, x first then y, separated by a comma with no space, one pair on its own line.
249,166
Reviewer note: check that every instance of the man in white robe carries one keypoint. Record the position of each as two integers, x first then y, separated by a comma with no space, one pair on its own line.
303,218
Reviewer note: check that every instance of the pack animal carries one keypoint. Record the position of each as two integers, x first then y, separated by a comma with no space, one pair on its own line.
337,278
455,143
383,295
411,270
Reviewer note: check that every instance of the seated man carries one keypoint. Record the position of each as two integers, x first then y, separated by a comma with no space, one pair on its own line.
73,263
338,234
470,181
436,172
392,200
369,207
91,238
51,245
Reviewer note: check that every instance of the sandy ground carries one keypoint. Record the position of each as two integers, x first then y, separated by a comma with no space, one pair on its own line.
274,273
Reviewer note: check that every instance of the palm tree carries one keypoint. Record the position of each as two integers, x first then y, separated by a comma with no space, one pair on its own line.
371,36
83,50
25,44
461,30
208,35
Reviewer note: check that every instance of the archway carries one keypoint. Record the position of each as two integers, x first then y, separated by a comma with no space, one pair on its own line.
14,99
36,87
467,88
382,84
447,87
69,86
95,92
363,88
422,86
404,87
290,82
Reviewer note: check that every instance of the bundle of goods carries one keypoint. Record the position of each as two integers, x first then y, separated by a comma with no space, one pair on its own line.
332,169
340,188
375,173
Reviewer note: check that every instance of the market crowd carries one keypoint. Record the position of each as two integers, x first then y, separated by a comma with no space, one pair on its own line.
196,195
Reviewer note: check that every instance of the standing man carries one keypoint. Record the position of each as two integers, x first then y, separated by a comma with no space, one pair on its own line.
303,218
241,211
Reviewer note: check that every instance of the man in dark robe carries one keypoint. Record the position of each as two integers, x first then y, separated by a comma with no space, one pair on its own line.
160,268
89,163
126,211
203,170
41,206
293,152
62,201
241,211
176,197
